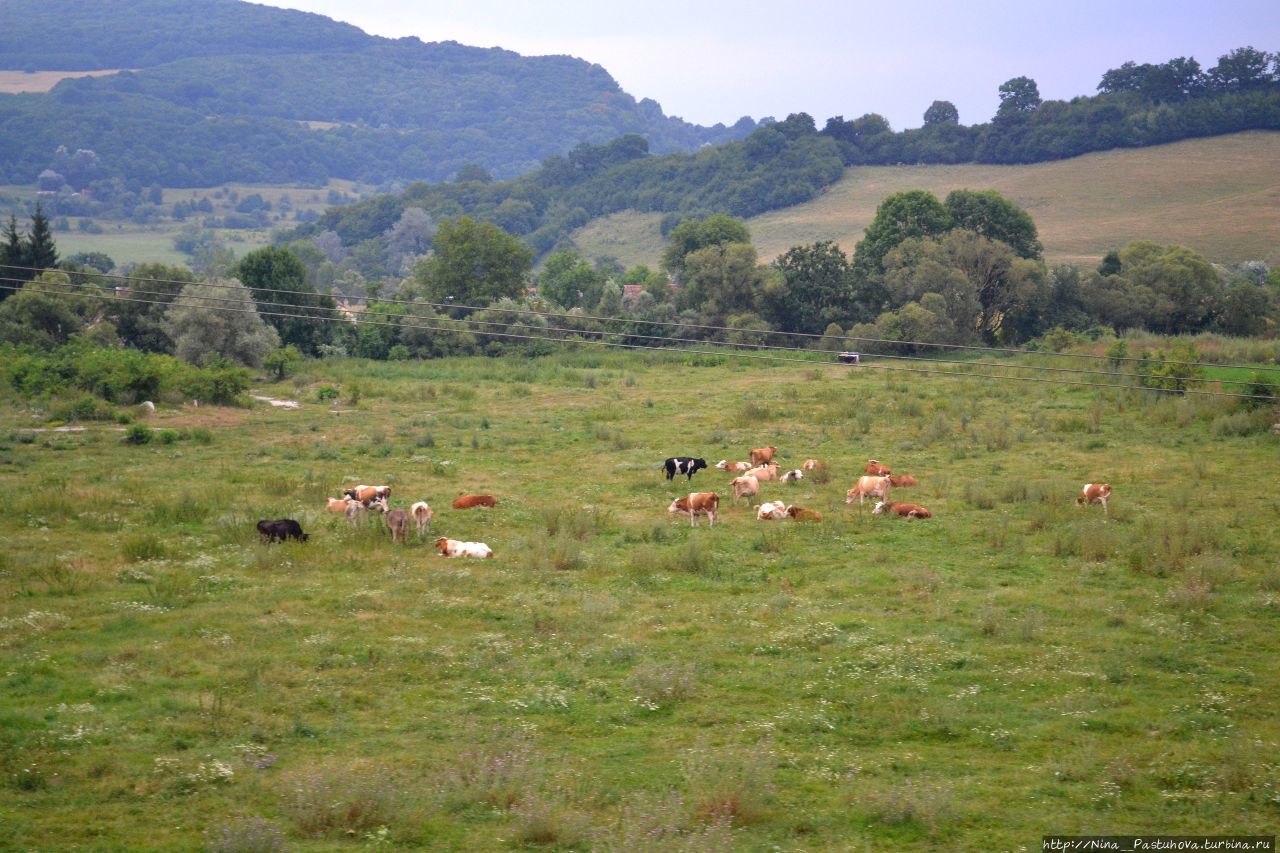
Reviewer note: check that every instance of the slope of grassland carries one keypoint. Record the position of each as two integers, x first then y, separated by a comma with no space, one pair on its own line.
1219,196
615,678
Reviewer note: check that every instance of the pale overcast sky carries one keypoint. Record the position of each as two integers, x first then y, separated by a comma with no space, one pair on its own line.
711,61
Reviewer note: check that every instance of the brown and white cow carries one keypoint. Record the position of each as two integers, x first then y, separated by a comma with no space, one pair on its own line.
902,481
875,469
695,504
868,487
765,473
473,501
422,515
457,548
745,486
1094,493
735,467
811,465
902,510
792,476
337,504
366,494
762,455
771,511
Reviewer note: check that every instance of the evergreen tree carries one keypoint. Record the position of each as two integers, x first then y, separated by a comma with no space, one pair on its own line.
41,252
13,259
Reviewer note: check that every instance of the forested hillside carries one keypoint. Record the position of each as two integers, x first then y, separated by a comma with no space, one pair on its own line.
222,91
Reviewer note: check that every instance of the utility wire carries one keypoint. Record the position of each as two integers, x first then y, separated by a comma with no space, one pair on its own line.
528,311
368,315
428,326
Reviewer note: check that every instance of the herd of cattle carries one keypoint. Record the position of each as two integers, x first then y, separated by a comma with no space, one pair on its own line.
357,501
876,482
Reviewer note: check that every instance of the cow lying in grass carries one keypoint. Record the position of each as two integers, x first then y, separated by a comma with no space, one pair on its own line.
473,501
456,548
902,510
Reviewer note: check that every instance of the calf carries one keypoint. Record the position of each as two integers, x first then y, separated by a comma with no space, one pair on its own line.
280,530
868,487
695,504
761,455
457,548
745,486
736,467
337,504
422,514
793,476
902,510
765,473
1094,493
473,501
366,494
683,465
771,511
356,511
398,524
811,465
799,513
902,481
875,469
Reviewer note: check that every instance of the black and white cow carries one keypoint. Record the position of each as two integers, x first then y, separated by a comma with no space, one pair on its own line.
683,465
282,529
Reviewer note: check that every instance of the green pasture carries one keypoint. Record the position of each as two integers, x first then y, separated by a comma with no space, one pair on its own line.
616,679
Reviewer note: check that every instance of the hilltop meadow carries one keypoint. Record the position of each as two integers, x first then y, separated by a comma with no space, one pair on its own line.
616,679
1217,196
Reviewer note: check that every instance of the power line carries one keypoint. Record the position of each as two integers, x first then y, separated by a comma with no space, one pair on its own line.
633,335
427,325
809,335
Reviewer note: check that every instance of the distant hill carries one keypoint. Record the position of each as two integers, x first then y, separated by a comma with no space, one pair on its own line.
1218,196
223,90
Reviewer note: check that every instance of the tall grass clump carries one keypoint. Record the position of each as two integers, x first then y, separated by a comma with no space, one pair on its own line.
342,801
244,835
732,784
661,824
499,773
142,547
924,803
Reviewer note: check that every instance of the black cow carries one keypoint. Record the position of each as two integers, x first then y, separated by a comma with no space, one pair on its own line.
280,530
683,465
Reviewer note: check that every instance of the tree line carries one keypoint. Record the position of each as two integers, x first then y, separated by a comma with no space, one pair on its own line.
967,270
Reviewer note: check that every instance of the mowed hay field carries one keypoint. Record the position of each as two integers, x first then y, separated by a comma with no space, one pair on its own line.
614,678
1219,196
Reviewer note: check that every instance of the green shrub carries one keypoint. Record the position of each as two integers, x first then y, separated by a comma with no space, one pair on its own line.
138,434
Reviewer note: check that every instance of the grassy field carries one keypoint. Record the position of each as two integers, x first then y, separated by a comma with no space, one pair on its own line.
13,82
616,679
1219,196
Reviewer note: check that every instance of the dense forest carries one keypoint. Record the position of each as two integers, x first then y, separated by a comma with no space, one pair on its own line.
221,91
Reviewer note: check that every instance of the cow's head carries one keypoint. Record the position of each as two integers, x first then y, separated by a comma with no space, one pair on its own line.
698,465
880,505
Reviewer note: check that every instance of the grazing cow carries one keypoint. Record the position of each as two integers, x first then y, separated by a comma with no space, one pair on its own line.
869,487
695,504
337,504
365,494
1094,493
771,511
356,511
765,473
745,486
457,548
398,524
875,469
902,481
280,530
902,510
683,465
793,476
799,513
735,467
473,501
761,455
422,514
811,465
